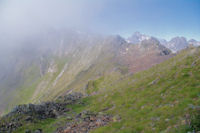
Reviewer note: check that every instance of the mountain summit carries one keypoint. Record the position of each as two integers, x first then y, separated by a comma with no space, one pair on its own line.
137,37
175,44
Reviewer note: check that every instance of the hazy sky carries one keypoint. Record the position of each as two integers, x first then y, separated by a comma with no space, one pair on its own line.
160,18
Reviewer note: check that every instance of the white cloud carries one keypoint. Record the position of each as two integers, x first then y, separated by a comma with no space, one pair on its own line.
20,18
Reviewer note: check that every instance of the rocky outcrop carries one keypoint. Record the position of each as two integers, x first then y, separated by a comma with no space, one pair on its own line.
70,97
85,122
76,122
43,111
31,112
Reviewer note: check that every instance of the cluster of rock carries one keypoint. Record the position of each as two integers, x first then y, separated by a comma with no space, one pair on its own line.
84,122
78,123
36,131
32,112
43,111
70,98
9,127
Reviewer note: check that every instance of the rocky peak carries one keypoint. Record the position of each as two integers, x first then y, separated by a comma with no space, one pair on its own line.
178,39
154,44
177,43
137,37
193,42
150,41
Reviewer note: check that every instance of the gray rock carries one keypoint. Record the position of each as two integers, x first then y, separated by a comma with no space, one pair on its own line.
28,131
38,131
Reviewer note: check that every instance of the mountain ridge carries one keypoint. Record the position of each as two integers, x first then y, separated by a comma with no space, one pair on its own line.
56,61
159,99
175,44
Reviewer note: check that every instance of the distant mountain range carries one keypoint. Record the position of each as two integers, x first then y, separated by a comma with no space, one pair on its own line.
175,44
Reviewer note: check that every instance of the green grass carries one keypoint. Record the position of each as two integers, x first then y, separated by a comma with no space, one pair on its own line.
46,125
151,101
93,86
158,107
50,125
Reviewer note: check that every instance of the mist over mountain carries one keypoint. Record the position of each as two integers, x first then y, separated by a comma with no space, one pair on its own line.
67,53
59,69
67,67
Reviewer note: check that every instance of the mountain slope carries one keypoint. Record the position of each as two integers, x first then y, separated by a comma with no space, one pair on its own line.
157,100
59,62
144,55
160,99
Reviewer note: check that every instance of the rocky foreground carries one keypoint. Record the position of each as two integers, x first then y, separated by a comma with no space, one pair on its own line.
32,113
84,122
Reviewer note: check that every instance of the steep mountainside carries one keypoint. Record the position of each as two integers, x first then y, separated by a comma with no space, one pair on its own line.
59,62
144,55
164,98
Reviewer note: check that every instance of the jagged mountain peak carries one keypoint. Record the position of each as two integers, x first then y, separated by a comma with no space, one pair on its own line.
150,41
137,37
154,45
179,38
177,43
194,42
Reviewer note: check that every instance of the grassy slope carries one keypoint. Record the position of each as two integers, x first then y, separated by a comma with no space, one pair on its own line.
44,91
25,90
155,100
85,66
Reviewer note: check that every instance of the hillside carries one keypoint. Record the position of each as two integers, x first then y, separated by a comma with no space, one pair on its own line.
55,63
99,66
164,98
